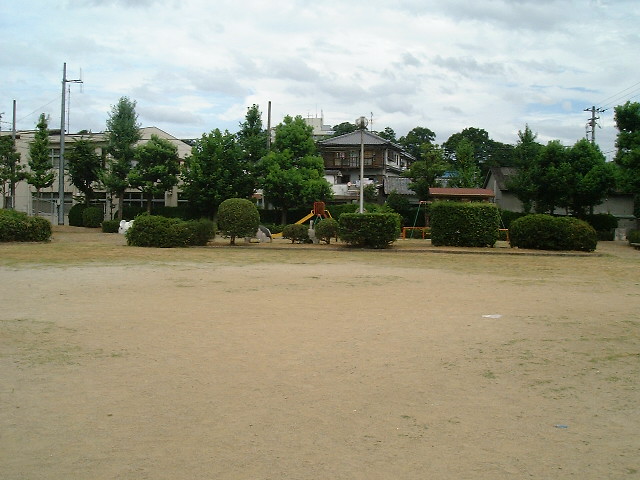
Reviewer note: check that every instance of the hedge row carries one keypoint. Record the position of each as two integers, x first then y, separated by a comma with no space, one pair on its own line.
163,232
544,232
370,230
464,224
19,227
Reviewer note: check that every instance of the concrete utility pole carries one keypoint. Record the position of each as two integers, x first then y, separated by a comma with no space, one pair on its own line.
361,123
592,122
62,131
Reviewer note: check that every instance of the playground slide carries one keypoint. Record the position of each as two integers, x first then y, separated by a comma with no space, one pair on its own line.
302,220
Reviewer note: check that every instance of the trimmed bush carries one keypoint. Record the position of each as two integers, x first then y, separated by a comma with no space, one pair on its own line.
544,232
75,215
162,232
326,229
633,236
296,232
19,227
604,224
238,217
92,217
464,224
370,230
110,226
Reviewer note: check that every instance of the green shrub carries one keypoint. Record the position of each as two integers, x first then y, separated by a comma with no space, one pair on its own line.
604,224
326,229
92,217
370,230
507,216
544,232
19,227
633,236
238,217
75,215
464,224
296,232
110,226
162,232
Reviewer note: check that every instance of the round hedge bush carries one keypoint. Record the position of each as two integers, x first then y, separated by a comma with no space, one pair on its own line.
545,232
110,226
19,227
162,232
92,217
75,215
238,217
326,229
296,232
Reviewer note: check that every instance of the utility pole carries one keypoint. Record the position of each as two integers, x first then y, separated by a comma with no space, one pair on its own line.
592,122
361,123
62,131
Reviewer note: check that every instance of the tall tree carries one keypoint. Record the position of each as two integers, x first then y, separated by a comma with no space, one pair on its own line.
550,177
425,173
627,119
123,131
412,142
344,128
526,155
216,170
487,152
591,179
84,166
11,171
156,168
292,173
388,134
40,173
252,137
468,173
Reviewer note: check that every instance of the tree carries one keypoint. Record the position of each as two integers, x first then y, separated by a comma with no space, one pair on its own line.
468,173
292,174
216,170
526,155
238,217
627,157
84,166
426,172
487,153
123,131
412,142
40,173
550,177
344,128
388,134
252,138
156,169
11,171
590,180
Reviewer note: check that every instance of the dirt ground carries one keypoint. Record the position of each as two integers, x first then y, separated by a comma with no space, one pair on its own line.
270,362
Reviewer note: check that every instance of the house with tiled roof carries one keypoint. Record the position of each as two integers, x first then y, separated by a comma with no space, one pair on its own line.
384,163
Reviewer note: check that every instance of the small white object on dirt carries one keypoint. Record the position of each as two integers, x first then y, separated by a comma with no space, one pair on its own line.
493,315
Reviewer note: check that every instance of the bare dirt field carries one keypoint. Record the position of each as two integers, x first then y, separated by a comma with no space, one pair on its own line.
284,362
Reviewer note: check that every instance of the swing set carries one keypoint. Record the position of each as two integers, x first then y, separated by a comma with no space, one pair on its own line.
423,230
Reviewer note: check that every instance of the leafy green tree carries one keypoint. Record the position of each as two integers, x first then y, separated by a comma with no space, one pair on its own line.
388,134
11,171
216,170
123,132
468,173
412,142
551,176
526,155
425,173
252,137
40,173
591,179
84,166
344,128
292,173
627,119
156,169
487,152
238,217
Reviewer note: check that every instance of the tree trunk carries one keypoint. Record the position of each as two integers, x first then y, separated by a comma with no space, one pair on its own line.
149,202
283,216
120,204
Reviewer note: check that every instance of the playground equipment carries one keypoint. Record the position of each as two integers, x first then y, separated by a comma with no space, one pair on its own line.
318,213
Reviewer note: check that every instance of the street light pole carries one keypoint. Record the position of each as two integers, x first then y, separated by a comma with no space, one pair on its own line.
361,123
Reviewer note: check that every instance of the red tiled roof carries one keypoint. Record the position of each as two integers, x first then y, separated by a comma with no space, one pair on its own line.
461,192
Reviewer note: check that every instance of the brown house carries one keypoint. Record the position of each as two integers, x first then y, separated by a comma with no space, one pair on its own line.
383,162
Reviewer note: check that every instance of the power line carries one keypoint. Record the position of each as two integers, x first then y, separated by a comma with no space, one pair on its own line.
611,100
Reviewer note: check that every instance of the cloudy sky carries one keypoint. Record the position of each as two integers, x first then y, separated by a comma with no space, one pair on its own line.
196,65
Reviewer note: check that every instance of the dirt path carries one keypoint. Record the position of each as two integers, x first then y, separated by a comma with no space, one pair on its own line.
254,364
